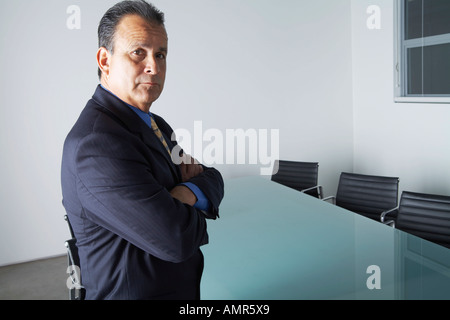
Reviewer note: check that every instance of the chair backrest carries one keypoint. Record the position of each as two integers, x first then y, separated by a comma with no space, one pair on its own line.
297,175
367,195
426,216
76,290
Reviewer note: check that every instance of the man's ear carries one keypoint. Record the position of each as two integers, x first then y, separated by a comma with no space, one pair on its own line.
103,59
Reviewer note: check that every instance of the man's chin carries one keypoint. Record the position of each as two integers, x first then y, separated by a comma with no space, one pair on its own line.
147,98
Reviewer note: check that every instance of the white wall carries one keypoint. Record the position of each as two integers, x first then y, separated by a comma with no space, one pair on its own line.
253,64
406,140
259,64
47,74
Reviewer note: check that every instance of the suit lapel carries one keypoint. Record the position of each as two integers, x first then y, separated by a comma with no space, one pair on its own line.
136,125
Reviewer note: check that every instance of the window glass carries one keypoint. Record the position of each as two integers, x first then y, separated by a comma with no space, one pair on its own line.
425,18
429,70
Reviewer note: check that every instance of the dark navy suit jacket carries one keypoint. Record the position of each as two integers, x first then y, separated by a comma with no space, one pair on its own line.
135,240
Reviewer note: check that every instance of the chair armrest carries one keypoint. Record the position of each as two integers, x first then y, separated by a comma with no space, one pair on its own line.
385,213
390,223
333,198
319,190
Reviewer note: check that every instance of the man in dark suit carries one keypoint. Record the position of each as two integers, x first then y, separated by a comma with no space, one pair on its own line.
139,219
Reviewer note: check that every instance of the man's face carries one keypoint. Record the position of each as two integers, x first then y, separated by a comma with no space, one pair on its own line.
136,71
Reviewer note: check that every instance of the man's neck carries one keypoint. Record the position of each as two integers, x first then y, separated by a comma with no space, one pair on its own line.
105,86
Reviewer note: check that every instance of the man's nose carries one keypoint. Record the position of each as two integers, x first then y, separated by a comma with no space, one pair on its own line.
151,66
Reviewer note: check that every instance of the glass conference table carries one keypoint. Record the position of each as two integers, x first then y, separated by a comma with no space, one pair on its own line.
275,243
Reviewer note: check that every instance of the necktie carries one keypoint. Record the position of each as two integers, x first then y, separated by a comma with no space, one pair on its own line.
159,135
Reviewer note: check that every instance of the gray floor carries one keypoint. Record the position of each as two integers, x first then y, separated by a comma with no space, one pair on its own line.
37,280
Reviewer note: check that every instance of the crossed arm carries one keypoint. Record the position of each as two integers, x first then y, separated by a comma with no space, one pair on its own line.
188,171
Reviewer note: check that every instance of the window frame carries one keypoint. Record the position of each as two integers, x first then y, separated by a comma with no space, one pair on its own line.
400,60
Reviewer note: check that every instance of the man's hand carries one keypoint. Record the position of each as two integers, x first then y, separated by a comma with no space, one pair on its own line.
190,168
184,194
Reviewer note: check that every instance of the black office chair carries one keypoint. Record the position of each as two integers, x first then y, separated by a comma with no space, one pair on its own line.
366,195
301,176
424,215
76,290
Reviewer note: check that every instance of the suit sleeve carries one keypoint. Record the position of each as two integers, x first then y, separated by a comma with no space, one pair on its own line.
211,184
119,192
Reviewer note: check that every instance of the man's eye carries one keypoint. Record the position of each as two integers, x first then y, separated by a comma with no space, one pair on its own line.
161,56
138,52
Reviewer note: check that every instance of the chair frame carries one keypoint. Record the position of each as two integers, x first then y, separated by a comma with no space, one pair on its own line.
317,187
435,198
388,212
76,289
384,212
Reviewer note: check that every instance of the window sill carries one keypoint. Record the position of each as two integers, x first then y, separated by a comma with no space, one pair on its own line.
442,100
